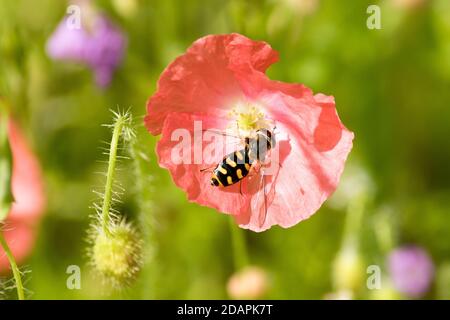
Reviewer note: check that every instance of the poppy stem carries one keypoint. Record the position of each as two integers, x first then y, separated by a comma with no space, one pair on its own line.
14,267
106,208
240,255
384,230
355,213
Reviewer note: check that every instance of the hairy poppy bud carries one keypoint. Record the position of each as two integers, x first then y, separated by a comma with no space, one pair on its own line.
117,256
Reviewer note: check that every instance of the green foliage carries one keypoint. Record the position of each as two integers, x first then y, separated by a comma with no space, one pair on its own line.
6,197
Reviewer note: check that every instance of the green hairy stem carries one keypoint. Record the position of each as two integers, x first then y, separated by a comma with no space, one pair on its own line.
107,200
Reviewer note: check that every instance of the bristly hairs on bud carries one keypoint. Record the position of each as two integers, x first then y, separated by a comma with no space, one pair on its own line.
9,287
19,280
115,249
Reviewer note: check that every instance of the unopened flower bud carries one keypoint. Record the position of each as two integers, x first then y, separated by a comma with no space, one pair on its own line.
250,283
443,282
116,256
348,269
409,4
339,295
386,292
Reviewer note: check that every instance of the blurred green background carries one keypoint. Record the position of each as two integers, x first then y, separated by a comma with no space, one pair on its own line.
391,88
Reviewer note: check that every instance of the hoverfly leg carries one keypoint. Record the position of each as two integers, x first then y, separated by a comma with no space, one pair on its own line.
262,219
220,133
209,169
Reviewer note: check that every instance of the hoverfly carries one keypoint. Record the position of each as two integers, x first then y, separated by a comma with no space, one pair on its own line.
237,165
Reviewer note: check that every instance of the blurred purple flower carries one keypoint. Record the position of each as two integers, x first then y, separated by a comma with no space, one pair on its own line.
411,270
101,47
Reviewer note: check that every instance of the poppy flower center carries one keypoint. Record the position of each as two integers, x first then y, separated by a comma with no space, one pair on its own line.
249,118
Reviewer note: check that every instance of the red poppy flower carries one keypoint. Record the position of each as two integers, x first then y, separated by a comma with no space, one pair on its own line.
220,85
29,202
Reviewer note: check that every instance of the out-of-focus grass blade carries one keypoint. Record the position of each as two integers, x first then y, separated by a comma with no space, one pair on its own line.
6,197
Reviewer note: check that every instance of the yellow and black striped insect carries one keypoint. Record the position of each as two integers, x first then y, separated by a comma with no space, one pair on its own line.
236,166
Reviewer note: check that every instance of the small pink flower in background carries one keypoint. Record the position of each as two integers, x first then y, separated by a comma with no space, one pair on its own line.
101,46
339,295
27,187
249,283
411,270
223,76
409,4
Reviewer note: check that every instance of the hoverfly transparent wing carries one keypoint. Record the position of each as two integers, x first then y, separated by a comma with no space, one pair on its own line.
263,187
219,144
263,211
222,133
233,139
259,204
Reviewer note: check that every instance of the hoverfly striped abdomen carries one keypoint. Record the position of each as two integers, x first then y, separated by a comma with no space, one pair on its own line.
232,169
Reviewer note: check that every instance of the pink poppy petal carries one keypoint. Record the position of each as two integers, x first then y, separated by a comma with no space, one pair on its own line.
27,186
203,79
